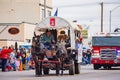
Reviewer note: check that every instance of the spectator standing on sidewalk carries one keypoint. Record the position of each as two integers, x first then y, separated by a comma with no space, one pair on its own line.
12,59
17,62
28,58
84,58
19,55
4,57
24,58
89,56
79,49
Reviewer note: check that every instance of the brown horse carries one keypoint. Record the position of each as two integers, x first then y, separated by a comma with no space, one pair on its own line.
38,53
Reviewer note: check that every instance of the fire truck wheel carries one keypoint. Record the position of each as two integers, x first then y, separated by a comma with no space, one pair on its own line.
105,67
109,67
71,68
96,66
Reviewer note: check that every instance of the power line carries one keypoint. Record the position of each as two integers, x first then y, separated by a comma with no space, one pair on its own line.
86,4
77,5
111,2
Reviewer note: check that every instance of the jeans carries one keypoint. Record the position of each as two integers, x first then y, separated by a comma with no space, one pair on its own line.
48,46
4,63
84,60
14,66
89,60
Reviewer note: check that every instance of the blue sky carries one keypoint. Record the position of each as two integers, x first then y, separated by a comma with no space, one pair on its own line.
87,12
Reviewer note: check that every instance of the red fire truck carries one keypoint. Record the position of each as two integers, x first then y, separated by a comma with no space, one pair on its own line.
106,50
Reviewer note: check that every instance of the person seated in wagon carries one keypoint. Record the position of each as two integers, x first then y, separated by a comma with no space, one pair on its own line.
47,38
62,39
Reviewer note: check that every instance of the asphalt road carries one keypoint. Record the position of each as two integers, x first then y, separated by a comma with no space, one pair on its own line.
86,73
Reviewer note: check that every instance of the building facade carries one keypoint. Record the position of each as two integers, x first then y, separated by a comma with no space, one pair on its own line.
17,11
21,33
18,20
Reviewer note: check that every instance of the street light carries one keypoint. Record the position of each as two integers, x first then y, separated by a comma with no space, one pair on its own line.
110,16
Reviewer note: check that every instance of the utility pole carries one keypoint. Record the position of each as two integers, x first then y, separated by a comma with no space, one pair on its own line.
110,22
44,8
101,16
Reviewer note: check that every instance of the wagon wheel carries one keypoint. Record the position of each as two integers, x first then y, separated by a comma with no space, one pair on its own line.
71,68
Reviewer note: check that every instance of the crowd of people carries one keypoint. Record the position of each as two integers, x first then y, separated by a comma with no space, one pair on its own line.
15,60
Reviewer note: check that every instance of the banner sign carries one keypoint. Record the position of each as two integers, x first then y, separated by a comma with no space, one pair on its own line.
52,22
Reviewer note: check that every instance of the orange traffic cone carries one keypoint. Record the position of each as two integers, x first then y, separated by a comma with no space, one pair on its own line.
20,68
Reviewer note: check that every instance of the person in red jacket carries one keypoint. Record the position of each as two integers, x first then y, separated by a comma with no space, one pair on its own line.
10,50
4,57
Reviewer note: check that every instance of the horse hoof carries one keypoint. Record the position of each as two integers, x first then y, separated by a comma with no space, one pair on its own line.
38,75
